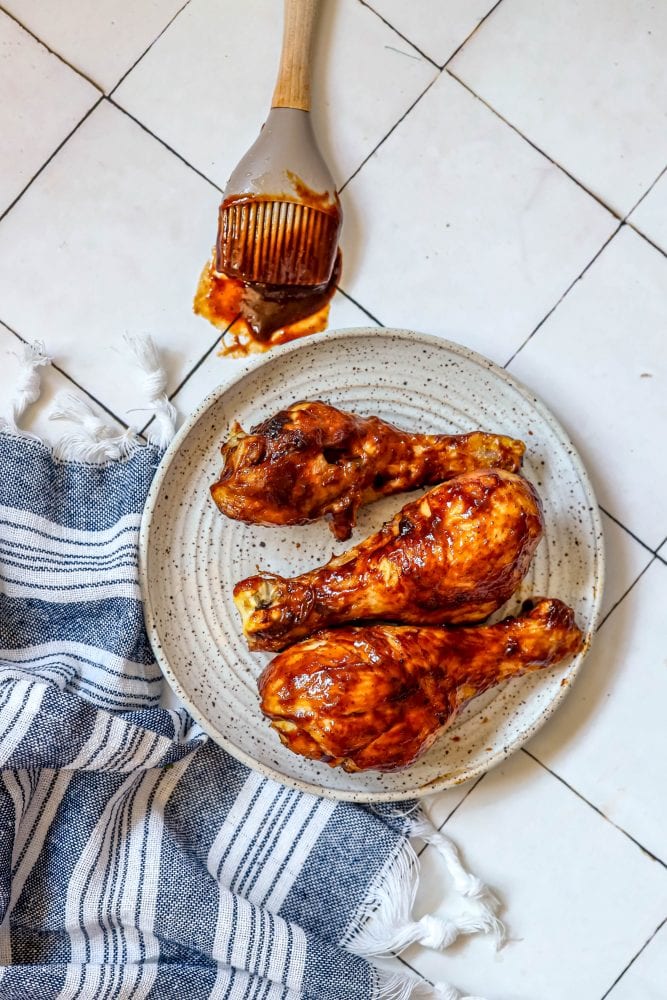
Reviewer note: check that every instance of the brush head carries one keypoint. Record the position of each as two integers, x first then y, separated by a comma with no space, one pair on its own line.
277,242
280,215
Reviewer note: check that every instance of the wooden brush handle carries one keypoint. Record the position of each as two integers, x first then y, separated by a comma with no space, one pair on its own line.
293,84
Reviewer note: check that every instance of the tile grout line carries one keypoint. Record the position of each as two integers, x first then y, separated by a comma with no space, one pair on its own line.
622,221
53,52
465,797
53,154
634,959
400,34
144,128
456,807
359,306
109,97
627,531
203,358
657,551
364,161
650,242
405,962
364,3
147,50
646,192
74,382
625,593
469,36
119,108
565,293
595,808
392,129
591,194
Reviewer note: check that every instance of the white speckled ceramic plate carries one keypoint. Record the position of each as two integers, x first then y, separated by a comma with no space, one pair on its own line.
191,555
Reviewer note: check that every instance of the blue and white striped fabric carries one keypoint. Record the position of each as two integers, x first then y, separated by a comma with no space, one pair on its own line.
137,859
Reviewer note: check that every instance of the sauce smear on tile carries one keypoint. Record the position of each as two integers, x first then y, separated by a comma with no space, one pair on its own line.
262,316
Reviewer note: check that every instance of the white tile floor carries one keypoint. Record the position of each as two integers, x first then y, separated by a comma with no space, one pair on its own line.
551,857
354,109
486,202
36,87
585,84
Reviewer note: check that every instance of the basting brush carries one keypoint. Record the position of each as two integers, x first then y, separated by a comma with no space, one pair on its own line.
280,215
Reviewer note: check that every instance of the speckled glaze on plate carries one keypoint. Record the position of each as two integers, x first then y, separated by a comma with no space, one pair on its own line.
191,555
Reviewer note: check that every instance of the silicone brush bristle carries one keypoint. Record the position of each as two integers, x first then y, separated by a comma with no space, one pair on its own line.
277,242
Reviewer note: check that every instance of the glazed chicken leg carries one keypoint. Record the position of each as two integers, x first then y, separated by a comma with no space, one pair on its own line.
313,460
454,555
376,698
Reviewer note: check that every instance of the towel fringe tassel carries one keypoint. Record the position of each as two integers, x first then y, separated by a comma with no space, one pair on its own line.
92,440
466,884
155,389
385,925
31,357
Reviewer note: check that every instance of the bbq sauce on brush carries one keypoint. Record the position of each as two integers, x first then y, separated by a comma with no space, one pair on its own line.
264,314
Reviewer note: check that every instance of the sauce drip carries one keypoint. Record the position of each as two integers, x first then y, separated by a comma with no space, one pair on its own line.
256,316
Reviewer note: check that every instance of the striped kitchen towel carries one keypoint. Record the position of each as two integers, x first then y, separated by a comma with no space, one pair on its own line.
137,858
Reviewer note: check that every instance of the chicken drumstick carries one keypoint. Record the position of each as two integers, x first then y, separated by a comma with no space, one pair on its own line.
312,460
452,556
376,698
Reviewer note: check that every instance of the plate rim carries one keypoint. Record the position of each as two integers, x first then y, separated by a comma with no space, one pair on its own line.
170,454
